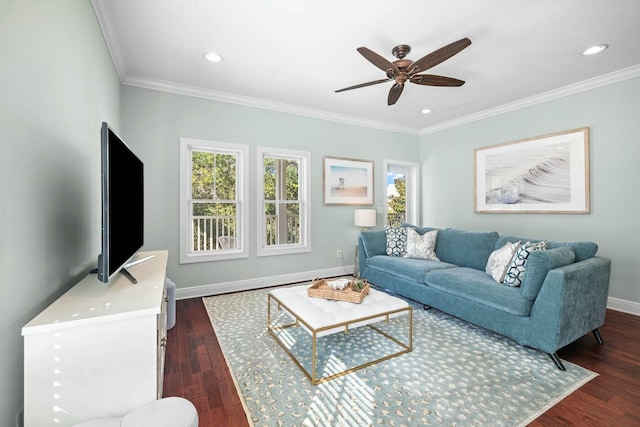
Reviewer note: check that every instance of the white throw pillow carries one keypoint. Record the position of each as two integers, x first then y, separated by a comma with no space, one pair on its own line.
421,246
500,259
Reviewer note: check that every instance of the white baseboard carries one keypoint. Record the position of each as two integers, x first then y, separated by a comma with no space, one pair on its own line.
624,306
262,282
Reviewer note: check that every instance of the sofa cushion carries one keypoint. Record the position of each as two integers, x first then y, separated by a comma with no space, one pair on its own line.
406,268
465,248
583,249
478,286
396,240
421,246
515,273
539,264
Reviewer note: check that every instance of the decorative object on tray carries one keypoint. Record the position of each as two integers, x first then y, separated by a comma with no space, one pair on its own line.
339,289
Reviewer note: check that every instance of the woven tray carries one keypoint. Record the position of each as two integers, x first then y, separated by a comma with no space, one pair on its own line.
320,289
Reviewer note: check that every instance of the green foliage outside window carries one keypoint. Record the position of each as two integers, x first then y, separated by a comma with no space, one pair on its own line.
213,179
397,205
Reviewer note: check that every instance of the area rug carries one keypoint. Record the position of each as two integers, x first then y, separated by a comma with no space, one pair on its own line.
457,374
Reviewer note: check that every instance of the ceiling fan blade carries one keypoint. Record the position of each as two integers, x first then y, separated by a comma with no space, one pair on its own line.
433,80
378,60
394,93
375,82
438,56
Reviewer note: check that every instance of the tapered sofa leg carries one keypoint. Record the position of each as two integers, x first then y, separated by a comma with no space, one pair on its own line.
596,333
557,361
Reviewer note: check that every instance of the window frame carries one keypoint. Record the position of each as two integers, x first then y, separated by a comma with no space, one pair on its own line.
304,194
187,147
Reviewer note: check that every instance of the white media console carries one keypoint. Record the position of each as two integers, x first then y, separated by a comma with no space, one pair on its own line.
98,350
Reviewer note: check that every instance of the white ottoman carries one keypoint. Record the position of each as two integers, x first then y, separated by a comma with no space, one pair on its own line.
166,412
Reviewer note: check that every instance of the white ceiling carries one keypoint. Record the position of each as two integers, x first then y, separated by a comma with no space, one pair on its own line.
291,55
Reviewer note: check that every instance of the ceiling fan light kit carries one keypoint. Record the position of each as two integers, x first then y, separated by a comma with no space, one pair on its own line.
403,70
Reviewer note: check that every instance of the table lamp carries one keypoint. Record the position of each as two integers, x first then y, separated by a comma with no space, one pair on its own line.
364,218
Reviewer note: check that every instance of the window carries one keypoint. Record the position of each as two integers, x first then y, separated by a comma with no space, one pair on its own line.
402,190
213,189
283,211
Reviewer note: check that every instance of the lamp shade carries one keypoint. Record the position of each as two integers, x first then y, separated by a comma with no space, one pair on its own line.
364,217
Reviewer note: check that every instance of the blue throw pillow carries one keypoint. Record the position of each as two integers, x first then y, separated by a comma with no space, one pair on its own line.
396,240
515,274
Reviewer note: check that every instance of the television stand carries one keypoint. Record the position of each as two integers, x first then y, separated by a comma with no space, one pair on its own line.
97,351
129,276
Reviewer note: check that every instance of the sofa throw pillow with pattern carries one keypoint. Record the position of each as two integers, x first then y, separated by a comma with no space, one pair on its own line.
515,274
396,240
421,246
500,259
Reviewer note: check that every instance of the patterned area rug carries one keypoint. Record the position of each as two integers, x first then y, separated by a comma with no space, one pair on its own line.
456,375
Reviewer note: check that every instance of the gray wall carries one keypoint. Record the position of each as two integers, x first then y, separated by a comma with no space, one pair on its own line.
611,113
153,123
57,83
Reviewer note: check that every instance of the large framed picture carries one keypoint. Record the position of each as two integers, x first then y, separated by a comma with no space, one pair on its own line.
347,181
545,174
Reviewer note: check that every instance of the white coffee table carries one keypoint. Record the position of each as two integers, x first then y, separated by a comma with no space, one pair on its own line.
320,317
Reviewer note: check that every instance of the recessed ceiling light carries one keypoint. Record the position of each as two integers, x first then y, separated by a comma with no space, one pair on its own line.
595,49
426,110
212,57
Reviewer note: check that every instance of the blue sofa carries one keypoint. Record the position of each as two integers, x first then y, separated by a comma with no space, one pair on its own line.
563,294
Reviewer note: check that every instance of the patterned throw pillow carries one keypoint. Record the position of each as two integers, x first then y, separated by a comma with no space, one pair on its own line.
515,274
421,246
499,261
396,240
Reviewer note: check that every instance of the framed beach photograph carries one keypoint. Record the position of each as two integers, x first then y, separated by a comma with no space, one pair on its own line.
347,181
545,174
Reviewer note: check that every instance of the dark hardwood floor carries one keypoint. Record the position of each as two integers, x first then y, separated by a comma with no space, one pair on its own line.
195,369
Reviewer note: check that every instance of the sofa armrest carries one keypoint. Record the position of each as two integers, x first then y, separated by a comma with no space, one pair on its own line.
373,242
571,303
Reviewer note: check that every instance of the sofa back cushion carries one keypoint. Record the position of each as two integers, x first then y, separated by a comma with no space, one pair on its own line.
465,248
539,263
583,249
374,242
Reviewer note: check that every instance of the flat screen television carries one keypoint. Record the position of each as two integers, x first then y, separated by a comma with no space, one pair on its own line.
122,182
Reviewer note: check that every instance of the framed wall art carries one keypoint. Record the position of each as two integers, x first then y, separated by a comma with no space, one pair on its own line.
545,174
347,181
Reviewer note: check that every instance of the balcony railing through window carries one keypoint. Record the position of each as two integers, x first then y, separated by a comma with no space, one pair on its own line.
396,219
214,233
292,235
219,232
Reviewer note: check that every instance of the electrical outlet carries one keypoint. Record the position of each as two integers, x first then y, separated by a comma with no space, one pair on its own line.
339,253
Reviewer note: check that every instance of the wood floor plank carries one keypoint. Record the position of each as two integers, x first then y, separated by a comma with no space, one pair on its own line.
195,368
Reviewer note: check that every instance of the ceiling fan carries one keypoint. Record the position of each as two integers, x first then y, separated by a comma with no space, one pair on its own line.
403,70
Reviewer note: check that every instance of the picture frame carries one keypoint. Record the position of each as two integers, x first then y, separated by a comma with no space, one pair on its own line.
347,181
544,174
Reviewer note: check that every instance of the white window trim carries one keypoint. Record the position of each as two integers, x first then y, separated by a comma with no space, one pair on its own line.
304,191
242,151
413,187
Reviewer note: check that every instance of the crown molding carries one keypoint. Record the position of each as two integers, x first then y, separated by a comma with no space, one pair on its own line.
264,104
107,28
583,86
